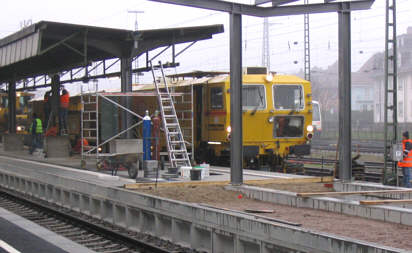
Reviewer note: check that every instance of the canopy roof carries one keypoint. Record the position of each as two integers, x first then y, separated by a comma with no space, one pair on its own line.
50,47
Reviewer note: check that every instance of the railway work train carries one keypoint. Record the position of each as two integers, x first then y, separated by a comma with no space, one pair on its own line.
23,110
277,116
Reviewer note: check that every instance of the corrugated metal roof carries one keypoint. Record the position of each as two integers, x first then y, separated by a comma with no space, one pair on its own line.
50,47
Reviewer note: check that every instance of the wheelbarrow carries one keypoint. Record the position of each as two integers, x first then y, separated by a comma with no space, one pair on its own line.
114,162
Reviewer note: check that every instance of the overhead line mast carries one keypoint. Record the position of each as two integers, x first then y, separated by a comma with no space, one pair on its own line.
306,42
391,86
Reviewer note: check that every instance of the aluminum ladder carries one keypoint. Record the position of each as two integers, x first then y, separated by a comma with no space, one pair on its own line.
176,146
89,119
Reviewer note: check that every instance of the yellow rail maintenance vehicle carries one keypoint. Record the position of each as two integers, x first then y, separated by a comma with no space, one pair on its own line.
277,117
23,110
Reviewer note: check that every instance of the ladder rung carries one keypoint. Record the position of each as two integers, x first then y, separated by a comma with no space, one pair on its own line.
178,151
179,159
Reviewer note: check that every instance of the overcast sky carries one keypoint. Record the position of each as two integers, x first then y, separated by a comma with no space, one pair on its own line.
286,33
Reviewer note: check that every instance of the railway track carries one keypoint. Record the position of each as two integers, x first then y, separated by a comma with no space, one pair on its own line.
92,233
371,172
375,147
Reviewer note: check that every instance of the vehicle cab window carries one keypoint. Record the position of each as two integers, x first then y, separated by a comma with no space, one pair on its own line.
216,98
253,97
288,97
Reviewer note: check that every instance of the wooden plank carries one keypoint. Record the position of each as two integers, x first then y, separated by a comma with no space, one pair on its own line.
254,215
386,201
259,210
311,194
249,182
294,180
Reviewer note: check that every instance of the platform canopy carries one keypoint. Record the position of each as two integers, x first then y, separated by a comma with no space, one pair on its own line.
49,47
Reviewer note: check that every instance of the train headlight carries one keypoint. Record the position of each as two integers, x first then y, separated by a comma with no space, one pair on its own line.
309,128
271,119
19,128
269,77
229,129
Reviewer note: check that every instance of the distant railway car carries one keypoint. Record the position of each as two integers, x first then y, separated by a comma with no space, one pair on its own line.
23,110
316,118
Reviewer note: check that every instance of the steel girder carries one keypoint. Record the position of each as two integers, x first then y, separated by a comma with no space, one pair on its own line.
257,11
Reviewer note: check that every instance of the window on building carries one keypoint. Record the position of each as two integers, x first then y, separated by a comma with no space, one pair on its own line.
400,84
410,108
216,98
400,109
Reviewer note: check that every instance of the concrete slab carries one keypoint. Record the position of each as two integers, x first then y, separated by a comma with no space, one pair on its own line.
57,146
12,142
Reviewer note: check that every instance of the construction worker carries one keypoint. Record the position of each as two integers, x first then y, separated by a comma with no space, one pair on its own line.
77,149
64,108
406,162
36,130
47,108
156,121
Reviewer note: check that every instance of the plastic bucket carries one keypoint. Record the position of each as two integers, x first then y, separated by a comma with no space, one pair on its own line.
195,174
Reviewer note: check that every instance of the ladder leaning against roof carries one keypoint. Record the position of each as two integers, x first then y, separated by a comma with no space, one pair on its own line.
176,146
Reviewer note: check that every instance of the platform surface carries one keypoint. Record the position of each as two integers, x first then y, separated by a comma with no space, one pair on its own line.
18,234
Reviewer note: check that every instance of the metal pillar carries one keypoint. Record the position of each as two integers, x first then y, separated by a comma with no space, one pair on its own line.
126,86
306,42
345,138
12,107
391,87
55,99
265,46
236,143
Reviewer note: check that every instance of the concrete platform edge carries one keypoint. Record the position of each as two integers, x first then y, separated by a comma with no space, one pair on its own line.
190,225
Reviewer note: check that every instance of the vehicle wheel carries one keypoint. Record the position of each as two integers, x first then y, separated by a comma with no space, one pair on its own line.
99,165
83,164
132,170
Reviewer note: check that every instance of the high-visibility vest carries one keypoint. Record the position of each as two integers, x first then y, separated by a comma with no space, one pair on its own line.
406,161
64,100
39,127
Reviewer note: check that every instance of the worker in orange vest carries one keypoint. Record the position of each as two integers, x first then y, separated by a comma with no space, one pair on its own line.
77,149
406,162
64,109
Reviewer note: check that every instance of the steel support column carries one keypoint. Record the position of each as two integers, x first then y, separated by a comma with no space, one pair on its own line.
345,138
12,107
126,86
55,100
236,147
